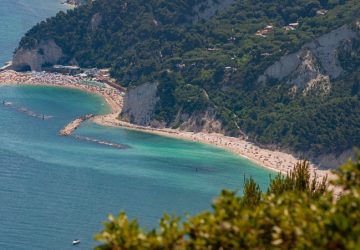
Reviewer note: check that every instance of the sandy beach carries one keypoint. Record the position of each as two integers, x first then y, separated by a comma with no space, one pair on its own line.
274,160
271,159
112,96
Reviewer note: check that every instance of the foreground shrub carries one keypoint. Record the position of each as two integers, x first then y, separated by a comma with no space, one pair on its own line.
297,212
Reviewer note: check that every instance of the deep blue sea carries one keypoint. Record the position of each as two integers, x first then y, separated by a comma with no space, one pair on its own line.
17,16
54,189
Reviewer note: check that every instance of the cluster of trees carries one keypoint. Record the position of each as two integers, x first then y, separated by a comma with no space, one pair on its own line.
202,63
311,124
297,212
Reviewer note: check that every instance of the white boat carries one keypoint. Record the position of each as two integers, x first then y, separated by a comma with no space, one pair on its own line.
76,242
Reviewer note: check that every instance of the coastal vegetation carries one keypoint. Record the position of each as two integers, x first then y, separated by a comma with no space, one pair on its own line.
213,62
297,212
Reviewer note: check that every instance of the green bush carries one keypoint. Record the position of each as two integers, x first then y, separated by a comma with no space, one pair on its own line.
297,212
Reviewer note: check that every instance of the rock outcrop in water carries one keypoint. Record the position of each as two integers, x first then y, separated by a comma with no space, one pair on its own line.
72,126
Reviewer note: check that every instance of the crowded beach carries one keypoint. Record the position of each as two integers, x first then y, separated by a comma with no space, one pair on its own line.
275,160
112,96
272,159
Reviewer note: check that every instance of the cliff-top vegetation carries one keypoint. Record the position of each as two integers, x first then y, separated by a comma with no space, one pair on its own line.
212,61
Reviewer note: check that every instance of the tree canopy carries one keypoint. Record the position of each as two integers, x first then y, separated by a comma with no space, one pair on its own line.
297,212
214,62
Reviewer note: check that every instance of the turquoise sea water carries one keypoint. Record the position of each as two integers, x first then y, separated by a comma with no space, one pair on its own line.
17,16
54,189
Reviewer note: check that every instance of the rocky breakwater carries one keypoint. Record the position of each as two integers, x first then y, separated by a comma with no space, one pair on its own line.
72,126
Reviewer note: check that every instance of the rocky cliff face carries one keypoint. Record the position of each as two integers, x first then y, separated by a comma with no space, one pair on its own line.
332,161
315,64
200,122
310,70
140,103
46,52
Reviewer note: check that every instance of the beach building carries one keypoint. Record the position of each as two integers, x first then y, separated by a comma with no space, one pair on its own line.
65,69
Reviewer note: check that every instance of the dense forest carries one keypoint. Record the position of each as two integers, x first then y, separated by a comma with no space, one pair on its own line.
296,212
212,59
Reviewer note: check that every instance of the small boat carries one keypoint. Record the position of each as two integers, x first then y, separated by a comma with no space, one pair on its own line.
76,242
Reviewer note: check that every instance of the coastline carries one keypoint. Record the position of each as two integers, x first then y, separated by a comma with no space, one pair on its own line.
110,94
271,159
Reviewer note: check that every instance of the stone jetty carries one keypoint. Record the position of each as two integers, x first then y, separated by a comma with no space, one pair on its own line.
72,126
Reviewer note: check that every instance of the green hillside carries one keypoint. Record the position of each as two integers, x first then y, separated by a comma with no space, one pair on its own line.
212,60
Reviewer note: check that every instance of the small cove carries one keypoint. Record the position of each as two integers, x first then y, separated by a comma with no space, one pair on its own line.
59,188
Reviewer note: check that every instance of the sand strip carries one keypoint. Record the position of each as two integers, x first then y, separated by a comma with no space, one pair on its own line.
275,160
